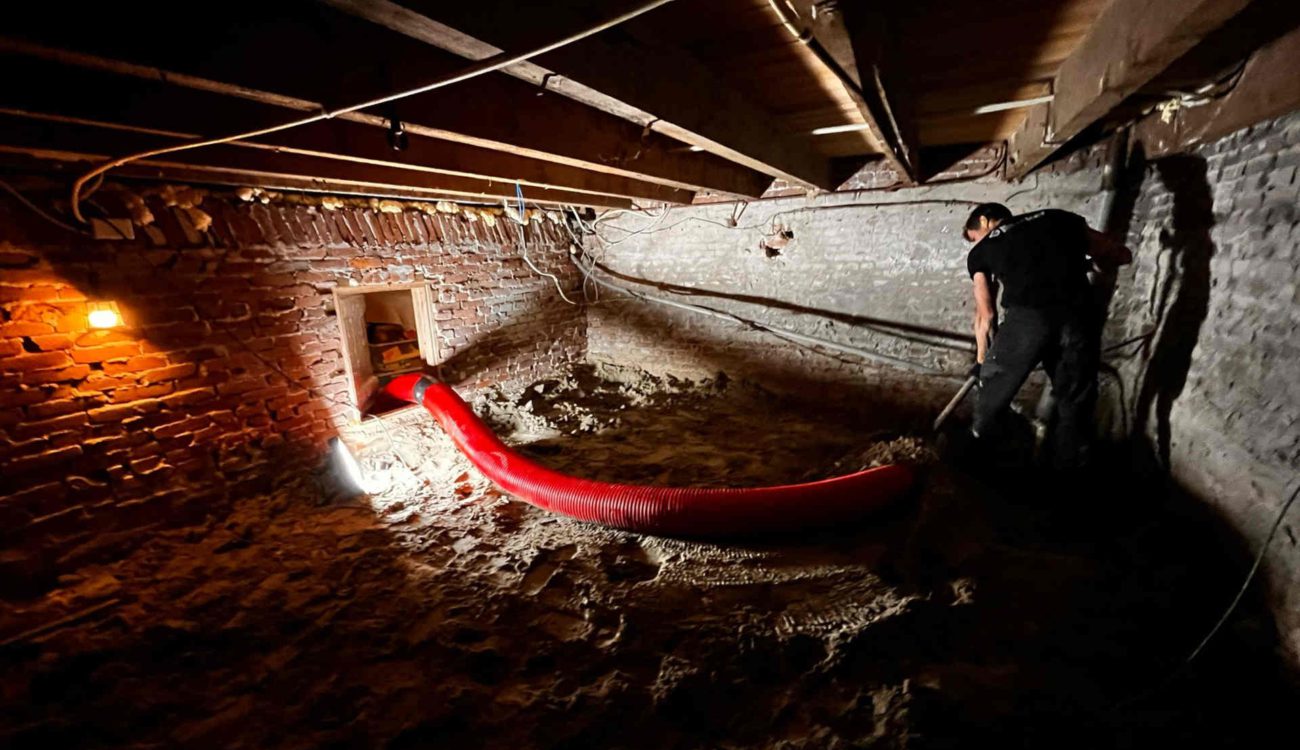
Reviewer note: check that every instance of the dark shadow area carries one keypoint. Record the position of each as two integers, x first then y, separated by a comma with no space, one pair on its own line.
983,610
1183,296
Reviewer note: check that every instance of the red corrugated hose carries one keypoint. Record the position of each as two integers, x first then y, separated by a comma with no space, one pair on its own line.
671,511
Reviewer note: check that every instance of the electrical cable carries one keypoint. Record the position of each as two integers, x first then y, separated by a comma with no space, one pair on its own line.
1218,625
769,222
41,212
594,296
488,65
1133,340
1225,84
1250,576
648,228
783,333
523,244
884,328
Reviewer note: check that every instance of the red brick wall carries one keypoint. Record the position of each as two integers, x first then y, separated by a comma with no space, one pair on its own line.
104,434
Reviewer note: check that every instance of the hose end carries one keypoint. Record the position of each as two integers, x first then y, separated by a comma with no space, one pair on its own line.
421,385
409,387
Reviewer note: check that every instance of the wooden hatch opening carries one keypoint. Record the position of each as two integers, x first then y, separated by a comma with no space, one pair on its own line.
386,331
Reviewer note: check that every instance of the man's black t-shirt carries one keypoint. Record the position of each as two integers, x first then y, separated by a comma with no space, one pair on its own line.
1039,258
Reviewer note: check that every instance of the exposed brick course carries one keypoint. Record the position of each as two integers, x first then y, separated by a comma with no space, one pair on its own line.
162,420
1220,285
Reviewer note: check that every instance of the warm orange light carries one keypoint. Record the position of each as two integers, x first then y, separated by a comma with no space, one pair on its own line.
103,315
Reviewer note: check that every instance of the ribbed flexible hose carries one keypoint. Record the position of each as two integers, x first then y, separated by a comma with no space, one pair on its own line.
674,511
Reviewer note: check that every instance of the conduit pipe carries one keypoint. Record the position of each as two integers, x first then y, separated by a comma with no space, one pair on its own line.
672,511
496,62
786,333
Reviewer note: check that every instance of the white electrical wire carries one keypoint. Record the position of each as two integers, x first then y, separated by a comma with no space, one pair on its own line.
593,296
523,244
496,62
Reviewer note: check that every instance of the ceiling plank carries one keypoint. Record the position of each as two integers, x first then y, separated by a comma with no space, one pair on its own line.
88,142
660,88
145,106
1131,43
307,57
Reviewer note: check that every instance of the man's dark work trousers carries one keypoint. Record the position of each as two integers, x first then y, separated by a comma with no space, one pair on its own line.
1068,345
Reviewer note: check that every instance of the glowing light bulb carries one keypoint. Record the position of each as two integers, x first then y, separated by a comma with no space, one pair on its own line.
103,315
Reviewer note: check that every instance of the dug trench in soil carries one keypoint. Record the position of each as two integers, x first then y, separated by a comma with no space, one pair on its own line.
437,612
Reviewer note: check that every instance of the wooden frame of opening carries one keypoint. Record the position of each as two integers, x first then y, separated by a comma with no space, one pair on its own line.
350,309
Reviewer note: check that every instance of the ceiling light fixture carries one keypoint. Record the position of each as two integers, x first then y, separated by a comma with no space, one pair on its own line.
840,129
1017,104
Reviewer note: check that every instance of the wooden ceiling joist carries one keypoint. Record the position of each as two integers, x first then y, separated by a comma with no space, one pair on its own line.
856,37
663,90
129,103
331,59
88,142
1131,43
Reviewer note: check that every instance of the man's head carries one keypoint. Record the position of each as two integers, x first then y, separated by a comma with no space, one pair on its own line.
984,219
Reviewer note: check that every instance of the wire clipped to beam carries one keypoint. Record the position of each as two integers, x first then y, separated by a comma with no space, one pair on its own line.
494,63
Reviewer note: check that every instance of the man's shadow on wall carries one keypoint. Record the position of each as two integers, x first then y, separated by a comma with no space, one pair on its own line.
1182,296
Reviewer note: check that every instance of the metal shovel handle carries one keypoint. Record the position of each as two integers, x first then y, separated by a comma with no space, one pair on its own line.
961,394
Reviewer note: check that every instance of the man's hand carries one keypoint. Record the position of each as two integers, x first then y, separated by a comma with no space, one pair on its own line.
974,371
1106,252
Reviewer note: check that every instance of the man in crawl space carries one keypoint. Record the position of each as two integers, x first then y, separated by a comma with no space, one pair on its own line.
1043,261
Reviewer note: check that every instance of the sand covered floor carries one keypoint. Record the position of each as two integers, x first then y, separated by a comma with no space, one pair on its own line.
438,612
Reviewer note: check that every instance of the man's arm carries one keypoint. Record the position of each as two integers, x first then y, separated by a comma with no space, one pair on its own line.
984,314
1106,252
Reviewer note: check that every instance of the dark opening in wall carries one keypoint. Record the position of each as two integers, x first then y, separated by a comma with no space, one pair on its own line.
386,331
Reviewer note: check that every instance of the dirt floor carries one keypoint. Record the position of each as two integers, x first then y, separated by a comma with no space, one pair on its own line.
437,612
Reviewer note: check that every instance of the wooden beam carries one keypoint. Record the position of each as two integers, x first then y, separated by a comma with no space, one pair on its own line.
661,88
146,106
1131,43
323,59
1268,88
92,142
857,39
64,162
